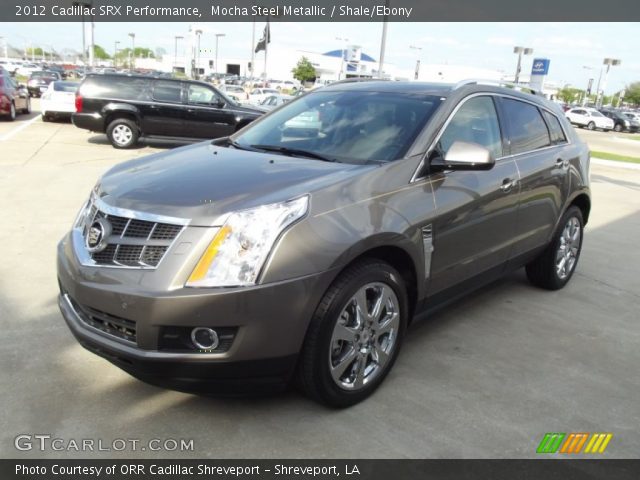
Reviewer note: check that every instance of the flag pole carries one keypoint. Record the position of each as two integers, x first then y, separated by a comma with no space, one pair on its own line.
266,47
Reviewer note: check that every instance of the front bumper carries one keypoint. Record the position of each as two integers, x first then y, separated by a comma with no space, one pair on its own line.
271,322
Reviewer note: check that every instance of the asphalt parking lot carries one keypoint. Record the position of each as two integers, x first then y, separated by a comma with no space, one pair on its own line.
487,378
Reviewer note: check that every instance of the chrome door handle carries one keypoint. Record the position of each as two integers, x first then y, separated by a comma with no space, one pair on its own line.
507,185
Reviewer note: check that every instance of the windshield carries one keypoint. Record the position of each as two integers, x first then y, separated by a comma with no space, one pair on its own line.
345,126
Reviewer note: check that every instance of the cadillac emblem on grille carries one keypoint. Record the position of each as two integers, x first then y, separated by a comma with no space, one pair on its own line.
98,235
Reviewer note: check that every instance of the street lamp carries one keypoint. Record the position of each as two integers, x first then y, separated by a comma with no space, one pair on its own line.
344,54
218,35
419,51
175,50
115,53
520,51
609,62
132,57
197,72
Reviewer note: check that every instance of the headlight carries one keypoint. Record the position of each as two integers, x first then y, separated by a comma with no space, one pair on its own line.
240,248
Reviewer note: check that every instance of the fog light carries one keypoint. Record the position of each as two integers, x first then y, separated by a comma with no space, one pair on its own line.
204,338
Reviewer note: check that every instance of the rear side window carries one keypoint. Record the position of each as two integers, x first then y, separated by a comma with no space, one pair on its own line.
555,129
120,88
527,128
476,121
164,91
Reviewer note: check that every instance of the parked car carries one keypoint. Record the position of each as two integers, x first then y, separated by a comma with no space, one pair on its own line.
634,121
621,123
10,66
59,100
273,101
39,81
589,118
14,98
236,91
129,107
284,85
26,69
260,258
257,95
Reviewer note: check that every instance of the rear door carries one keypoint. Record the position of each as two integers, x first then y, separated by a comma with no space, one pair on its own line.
476,210
207,114
537,144
164,115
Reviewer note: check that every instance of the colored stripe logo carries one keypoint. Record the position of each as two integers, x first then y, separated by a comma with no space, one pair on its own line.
574,442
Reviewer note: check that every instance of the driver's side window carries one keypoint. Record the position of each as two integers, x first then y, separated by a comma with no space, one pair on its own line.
201,95
476,121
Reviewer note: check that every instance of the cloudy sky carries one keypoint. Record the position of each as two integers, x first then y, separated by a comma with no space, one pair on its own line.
570,46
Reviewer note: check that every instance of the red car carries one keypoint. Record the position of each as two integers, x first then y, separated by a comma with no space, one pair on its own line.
13,98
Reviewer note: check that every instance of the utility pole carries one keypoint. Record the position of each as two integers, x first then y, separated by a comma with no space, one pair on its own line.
132,57
115,53
419,50
218,35
383,41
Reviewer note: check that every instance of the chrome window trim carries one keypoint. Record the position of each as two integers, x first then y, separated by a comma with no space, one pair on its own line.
416,178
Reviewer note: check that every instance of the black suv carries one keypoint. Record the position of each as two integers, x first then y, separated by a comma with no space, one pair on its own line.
126,107
620,122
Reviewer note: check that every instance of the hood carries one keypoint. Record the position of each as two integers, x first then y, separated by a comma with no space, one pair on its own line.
202,181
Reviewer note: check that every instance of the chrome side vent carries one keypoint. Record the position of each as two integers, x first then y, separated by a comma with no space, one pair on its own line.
427,247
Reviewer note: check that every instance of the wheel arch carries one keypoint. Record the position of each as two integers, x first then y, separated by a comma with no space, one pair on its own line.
583,202
113,111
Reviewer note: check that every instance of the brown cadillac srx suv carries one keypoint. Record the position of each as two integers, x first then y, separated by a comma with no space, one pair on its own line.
301,247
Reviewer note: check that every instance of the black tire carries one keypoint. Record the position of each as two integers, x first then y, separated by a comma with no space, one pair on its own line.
12,112
46,117
119,125
617,128
591,126
27,110
313,375
542,272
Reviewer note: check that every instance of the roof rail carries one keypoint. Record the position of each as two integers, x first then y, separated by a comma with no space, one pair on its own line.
360,79
497,83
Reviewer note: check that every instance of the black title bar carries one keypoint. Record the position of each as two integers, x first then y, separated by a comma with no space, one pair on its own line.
318,10
320,469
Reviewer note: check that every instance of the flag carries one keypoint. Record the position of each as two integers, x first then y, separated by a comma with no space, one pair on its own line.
266,38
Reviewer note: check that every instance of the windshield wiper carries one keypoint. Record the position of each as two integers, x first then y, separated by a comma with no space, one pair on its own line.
293,152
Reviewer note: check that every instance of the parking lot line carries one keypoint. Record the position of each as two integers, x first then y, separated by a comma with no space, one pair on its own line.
18,129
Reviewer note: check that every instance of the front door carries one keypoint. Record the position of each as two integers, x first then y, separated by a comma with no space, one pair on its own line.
476,210
206,115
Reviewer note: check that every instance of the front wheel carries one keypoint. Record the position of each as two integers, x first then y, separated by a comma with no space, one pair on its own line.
618,128
12,112
554,267
123,133
355,335
591,126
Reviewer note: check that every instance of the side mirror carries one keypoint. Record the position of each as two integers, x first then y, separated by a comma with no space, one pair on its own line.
465,156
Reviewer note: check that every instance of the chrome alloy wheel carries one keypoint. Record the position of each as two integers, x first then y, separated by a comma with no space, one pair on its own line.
364,336
122,134
568,249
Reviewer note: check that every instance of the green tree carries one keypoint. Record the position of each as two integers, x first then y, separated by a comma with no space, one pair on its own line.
632,93
304,70
99,53
569,95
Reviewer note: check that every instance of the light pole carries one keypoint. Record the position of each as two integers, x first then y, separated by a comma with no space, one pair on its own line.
520,51
344,54
175,50
609,62
218,35
383,41
197,72
6,50
115,53
419,51
132,58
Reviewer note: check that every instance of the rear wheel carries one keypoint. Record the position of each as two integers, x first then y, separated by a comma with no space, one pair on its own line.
618,128
123,133
12,112
355,335
553,268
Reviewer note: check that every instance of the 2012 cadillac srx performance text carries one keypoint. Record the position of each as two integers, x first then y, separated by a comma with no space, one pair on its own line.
287,253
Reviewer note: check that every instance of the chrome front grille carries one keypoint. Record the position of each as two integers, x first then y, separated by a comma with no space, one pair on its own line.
136,240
